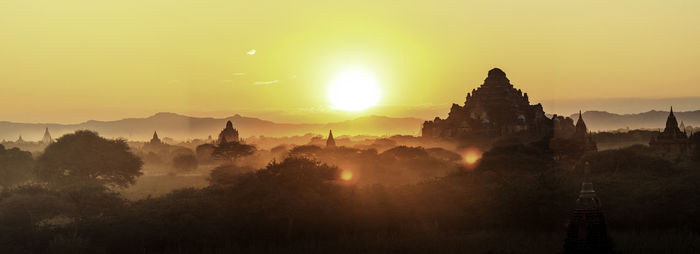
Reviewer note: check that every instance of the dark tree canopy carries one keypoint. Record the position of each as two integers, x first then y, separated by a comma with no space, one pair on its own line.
232,150
85,156
15,166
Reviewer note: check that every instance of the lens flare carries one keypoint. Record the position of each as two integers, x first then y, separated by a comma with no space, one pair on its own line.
471,157
346,175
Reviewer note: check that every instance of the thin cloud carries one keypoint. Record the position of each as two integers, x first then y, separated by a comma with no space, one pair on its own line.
266,82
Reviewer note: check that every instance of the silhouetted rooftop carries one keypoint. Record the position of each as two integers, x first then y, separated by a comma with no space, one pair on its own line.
496,72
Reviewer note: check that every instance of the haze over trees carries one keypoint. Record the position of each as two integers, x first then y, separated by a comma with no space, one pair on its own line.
422,197
86,157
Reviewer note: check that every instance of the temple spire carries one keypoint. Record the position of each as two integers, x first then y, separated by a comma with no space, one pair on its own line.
330,142
587,232
581,129
47,137
155,139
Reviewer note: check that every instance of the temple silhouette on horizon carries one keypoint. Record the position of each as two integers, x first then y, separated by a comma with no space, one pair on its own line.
495,109
673,142
330,142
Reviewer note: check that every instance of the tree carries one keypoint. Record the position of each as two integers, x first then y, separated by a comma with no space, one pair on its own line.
232,150
295,191
15,166
185,162
85,156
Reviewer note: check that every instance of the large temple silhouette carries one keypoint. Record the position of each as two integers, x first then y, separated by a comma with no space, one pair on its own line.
495,109
228,134
672,142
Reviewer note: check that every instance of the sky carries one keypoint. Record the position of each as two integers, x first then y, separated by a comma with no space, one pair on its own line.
74,60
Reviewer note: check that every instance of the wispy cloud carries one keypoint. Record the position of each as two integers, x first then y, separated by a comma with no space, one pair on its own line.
266,82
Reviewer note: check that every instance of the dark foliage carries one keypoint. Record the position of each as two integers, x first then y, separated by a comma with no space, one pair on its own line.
15,166
232,150
300,200
86,157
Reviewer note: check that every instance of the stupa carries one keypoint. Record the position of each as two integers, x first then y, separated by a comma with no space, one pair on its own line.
672,142
587,232
228,134
330,142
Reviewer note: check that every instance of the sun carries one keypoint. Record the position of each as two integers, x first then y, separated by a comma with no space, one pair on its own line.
354,90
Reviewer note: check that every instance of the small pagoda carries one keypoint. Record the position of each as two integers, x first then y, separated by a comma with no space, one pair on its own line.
587,232
330,142
46,140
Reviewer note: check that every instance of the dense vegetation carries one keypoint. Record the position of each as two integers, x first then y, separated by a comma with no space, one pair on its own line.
517,200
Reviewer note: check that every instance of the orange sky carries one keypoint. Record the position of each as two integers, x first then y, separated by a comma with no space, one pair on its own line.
74,60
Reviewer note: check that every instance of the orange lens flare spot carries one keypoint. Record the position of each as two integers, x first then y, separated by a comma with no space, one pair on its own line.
471,157
346,175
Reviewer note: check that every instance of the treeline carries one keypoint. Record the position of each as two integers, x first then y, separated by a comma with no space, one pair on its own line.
70,205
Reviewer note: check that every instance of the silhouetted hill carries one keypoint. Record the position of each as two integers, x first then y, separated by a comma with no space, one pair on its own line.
601,120
184,127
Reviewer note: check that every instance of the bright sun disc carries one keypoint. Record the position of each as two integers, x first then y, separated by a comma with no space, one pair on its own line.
354,90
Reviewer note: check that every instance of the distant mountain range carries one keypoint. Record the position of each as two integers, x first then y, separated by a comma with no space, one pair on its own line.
185,127
601,120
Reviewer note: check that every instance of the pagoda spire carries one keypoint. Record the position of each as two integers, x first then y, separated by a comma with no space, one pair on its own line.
47,137
155,139
587,232
330,142
581,129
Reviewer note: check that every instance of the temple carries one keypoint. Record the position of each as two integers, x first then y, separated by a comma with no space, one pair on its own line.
672,142
330,142
495,109
587,232
228,134
155,139
582,136
46,140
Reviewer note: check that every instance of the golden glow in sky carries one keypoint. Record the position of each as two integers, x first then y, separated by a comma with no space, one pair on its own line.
354,90
74,60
